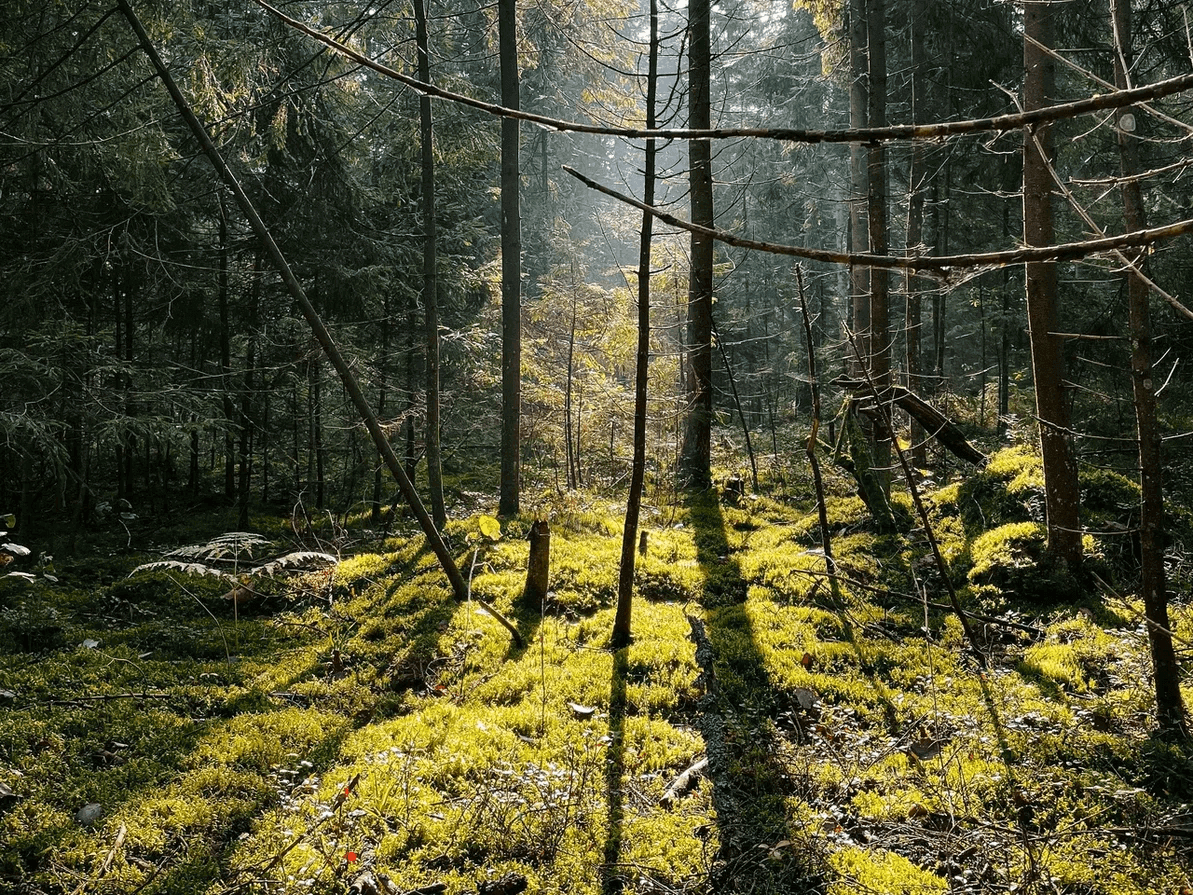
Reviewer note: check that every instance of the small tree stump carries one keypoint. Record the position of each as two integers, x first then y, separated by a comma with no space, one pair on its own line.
538,571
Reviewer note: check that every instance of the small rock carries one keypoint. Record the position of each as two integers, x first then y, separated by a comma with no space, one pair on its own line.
89,813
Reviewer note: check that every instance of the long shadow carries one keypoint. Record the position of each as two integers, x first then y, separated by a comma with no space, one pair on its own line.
760,850
611,879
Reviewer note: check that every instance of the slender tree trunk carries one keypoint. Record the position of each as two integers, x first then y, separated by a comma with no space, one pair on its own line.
696,458
430,273
382,394
859,277
511,268
226,359
411,459
1004,336
1170,708
244,440
879,341
316,447
913,319
625,580
1061,491
570,449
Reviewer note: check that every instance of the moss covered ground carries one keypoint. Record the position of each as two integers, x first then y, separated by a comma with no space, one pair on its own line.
358,729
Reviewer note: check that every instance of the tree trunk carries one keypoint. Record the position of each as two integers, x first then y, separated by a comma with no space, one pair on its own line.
382,394
859,323
538,569
913,319
1170,709
696,457
316,449
570,448
511,268
430,273
622,632
879,341
226,359
1061,491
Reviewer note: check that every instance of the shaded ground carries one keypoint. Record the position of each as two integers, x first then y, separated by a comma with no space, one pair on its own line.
360,728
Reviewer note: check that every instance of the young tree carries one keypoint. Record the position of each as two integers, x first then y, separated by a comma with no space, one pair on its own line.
625,581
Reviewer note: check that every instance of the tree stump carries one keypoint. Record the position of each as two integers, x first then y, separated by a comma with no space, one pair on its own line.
538,571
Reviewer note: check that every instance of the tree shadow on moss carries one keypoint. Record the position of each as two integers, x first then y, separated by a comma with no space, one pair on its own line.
761,849
611,879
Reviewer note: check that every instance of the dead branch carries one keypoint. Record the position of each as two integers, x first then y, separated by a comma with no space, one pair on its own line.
940,266
998,123
934,422
684,782
294,288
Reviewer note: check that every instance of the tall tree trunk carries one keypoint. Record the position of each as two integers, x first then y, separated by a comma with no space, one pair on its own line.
226,358
316,447
1170,708
696,458
411,459
629,536
382,394
913,318
511,268
859,277
1061,491
879,342
430,272
573,476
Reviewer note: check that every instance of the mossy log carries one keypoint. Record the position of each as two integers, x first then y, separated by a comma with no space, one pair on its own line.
934,422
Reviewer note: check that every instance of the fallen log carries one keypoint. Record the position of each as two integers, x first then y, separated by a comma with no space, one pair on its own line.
934,422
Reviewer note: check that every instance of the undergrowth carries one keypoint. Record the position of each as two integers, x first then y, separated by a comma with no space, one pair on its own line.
358,727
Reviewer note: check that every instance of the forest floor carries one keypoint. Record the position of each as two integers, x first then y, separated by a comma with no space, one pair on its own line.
357,729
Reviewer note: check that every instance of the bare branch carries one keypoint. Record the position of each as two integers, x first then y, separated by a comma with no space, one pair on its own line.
1096,103
940,266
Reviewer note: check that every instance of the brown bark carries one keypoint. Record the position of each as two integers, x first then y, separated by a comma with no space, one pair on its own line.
538,569
936,424
913,317
696,457
511,269
859,231
1170,708
1061,491
430,272
622,630
879,353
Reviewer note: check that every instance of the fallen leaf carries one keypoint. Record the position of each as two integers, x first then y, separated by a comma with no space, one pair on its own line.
582,712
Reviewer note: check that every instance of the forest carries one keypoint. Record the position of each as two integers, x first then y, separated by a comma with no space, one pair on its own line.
592,446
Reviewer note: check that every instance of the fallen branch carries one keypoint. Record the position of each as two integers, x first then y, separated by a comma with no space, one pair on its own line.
684,782
934,422
294,288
